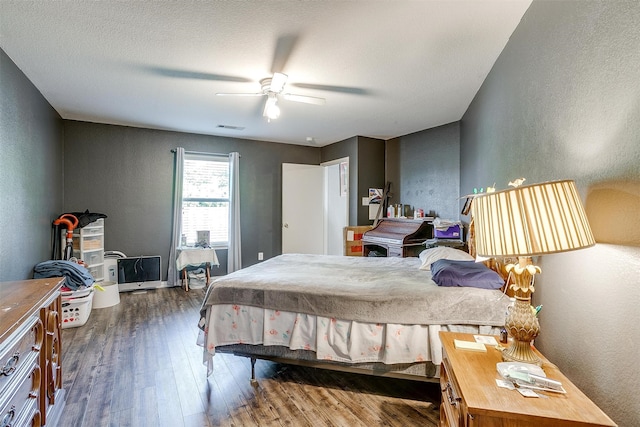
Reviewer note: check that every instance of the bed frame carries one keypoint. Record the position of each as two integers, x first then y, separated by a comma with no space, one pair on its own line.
419,371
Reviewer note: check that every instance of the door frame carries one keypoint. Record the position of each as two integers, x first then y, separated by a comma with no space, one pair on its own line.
324,222
326,212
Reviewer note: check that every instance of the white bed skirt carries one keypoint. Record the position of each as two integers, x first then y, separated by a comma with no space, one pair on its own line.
331,339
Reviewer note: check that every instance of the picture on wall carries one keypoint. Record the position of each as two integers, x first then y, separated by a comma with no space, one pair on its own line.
375,196
344,178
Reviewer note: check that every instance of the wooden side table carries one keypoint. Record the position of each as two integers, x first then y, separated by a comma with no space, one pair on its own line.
470,396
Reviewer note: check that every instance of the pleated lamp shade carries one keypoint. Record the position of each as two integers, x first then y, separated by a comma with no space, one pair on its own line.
531,220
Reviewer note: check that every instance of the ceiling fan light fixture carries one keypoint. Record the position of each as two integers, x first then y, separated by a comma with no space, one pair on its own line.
272,87
274,112
271,109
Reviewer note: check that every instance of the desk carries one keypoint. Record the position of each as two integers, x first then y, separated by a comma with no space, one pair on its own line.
194,257
397,237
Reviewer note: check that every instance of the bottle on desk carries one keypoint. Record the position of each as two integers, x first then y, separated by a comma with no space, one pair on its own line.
391,211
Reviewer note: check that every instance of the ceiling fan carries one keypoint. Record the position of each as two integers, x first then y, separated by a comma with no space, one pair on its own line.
272,88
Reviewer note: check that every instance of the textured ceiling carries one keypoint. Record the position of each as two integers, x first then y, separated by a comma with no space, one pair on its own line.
385,68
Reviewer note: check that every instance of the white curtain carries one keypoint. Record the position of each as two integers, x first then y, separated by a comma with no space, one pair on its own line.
173,275
234,258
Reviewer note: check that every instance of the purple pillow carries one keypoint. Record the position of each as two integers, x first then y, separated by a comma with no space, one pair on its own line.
449,272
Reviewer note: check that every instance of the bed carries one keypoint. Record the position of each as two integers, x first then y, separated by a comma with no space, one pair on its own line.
378,316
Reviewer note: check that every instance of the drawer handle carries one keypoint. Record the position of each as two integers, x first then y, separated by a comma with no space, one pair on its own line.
10,367
453,400
7,419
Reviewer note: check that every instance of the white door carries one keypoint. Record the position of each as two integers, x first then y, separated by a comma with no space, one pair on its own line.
302,209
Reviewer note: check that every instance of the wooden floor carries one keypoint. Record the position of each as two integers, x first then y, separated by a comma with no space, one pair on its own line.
137,364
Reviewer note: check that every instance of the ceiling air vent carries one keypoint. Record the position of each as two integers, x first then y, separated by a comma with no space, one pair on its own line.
231,127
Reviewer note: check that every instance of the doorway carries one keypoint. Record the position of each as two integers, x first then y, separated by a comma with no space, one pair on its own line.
336,205
315,207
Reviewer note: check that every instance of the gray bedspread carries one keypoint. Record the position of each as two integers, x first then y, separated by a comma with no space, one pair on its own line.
378,290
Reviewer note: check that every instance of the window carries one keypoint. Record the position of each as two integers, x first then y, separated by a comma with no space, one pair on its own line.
205,199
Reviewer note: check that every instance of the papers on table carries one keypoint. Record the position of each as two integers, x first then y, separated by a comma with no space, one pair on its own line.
469,345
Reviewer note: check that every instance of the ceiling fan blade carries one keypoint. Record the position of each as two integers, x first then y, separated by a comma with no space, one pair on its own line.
282,52
240,94
331,88
195,75
303,98
277,82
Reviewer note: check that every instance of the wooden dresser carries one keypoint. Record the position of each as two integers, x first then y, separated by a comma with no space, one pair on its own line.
31,392
470,396
397,237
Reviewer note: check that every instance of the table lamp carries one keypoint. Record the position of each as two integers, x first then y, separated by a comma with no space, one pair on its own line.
522,222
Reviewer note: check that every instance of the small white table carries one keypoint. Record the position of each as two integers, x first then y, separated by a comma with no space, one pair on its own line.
194,257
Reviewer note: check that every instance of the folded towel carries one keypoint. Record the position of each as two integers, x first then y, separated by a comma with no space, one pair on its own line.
76,276
443,224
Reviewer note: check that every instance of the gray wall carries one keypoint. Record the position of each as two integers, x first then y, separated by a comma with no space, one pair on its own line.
127,174
424,169
370,170
30,173
563,101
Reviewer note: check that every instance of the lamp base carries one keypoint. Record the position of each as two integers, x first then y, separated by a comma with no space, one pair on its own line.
523,327
520,351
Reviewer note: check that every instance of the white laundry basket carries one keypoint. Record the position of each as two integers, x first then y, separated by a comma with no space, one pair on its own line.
76,307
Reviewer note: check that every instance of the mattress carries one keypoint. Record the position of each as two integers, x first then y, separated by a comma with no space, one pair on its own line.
343,309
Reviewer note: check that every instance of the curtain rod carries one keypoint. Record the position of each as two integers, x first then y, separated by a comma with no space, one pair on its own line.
173,150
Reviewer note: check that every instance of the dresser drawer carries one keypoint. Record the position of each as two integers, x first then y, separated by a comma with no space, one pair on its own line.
31,392
451,413
30,415
21,396
16,350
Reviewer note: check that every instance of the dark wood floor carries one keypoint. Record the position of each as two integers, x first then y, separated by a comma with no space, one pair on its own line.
137,364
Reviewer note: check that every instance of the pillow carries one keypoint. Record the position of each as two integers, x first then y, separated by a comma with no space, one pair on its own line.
429,256
447,272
